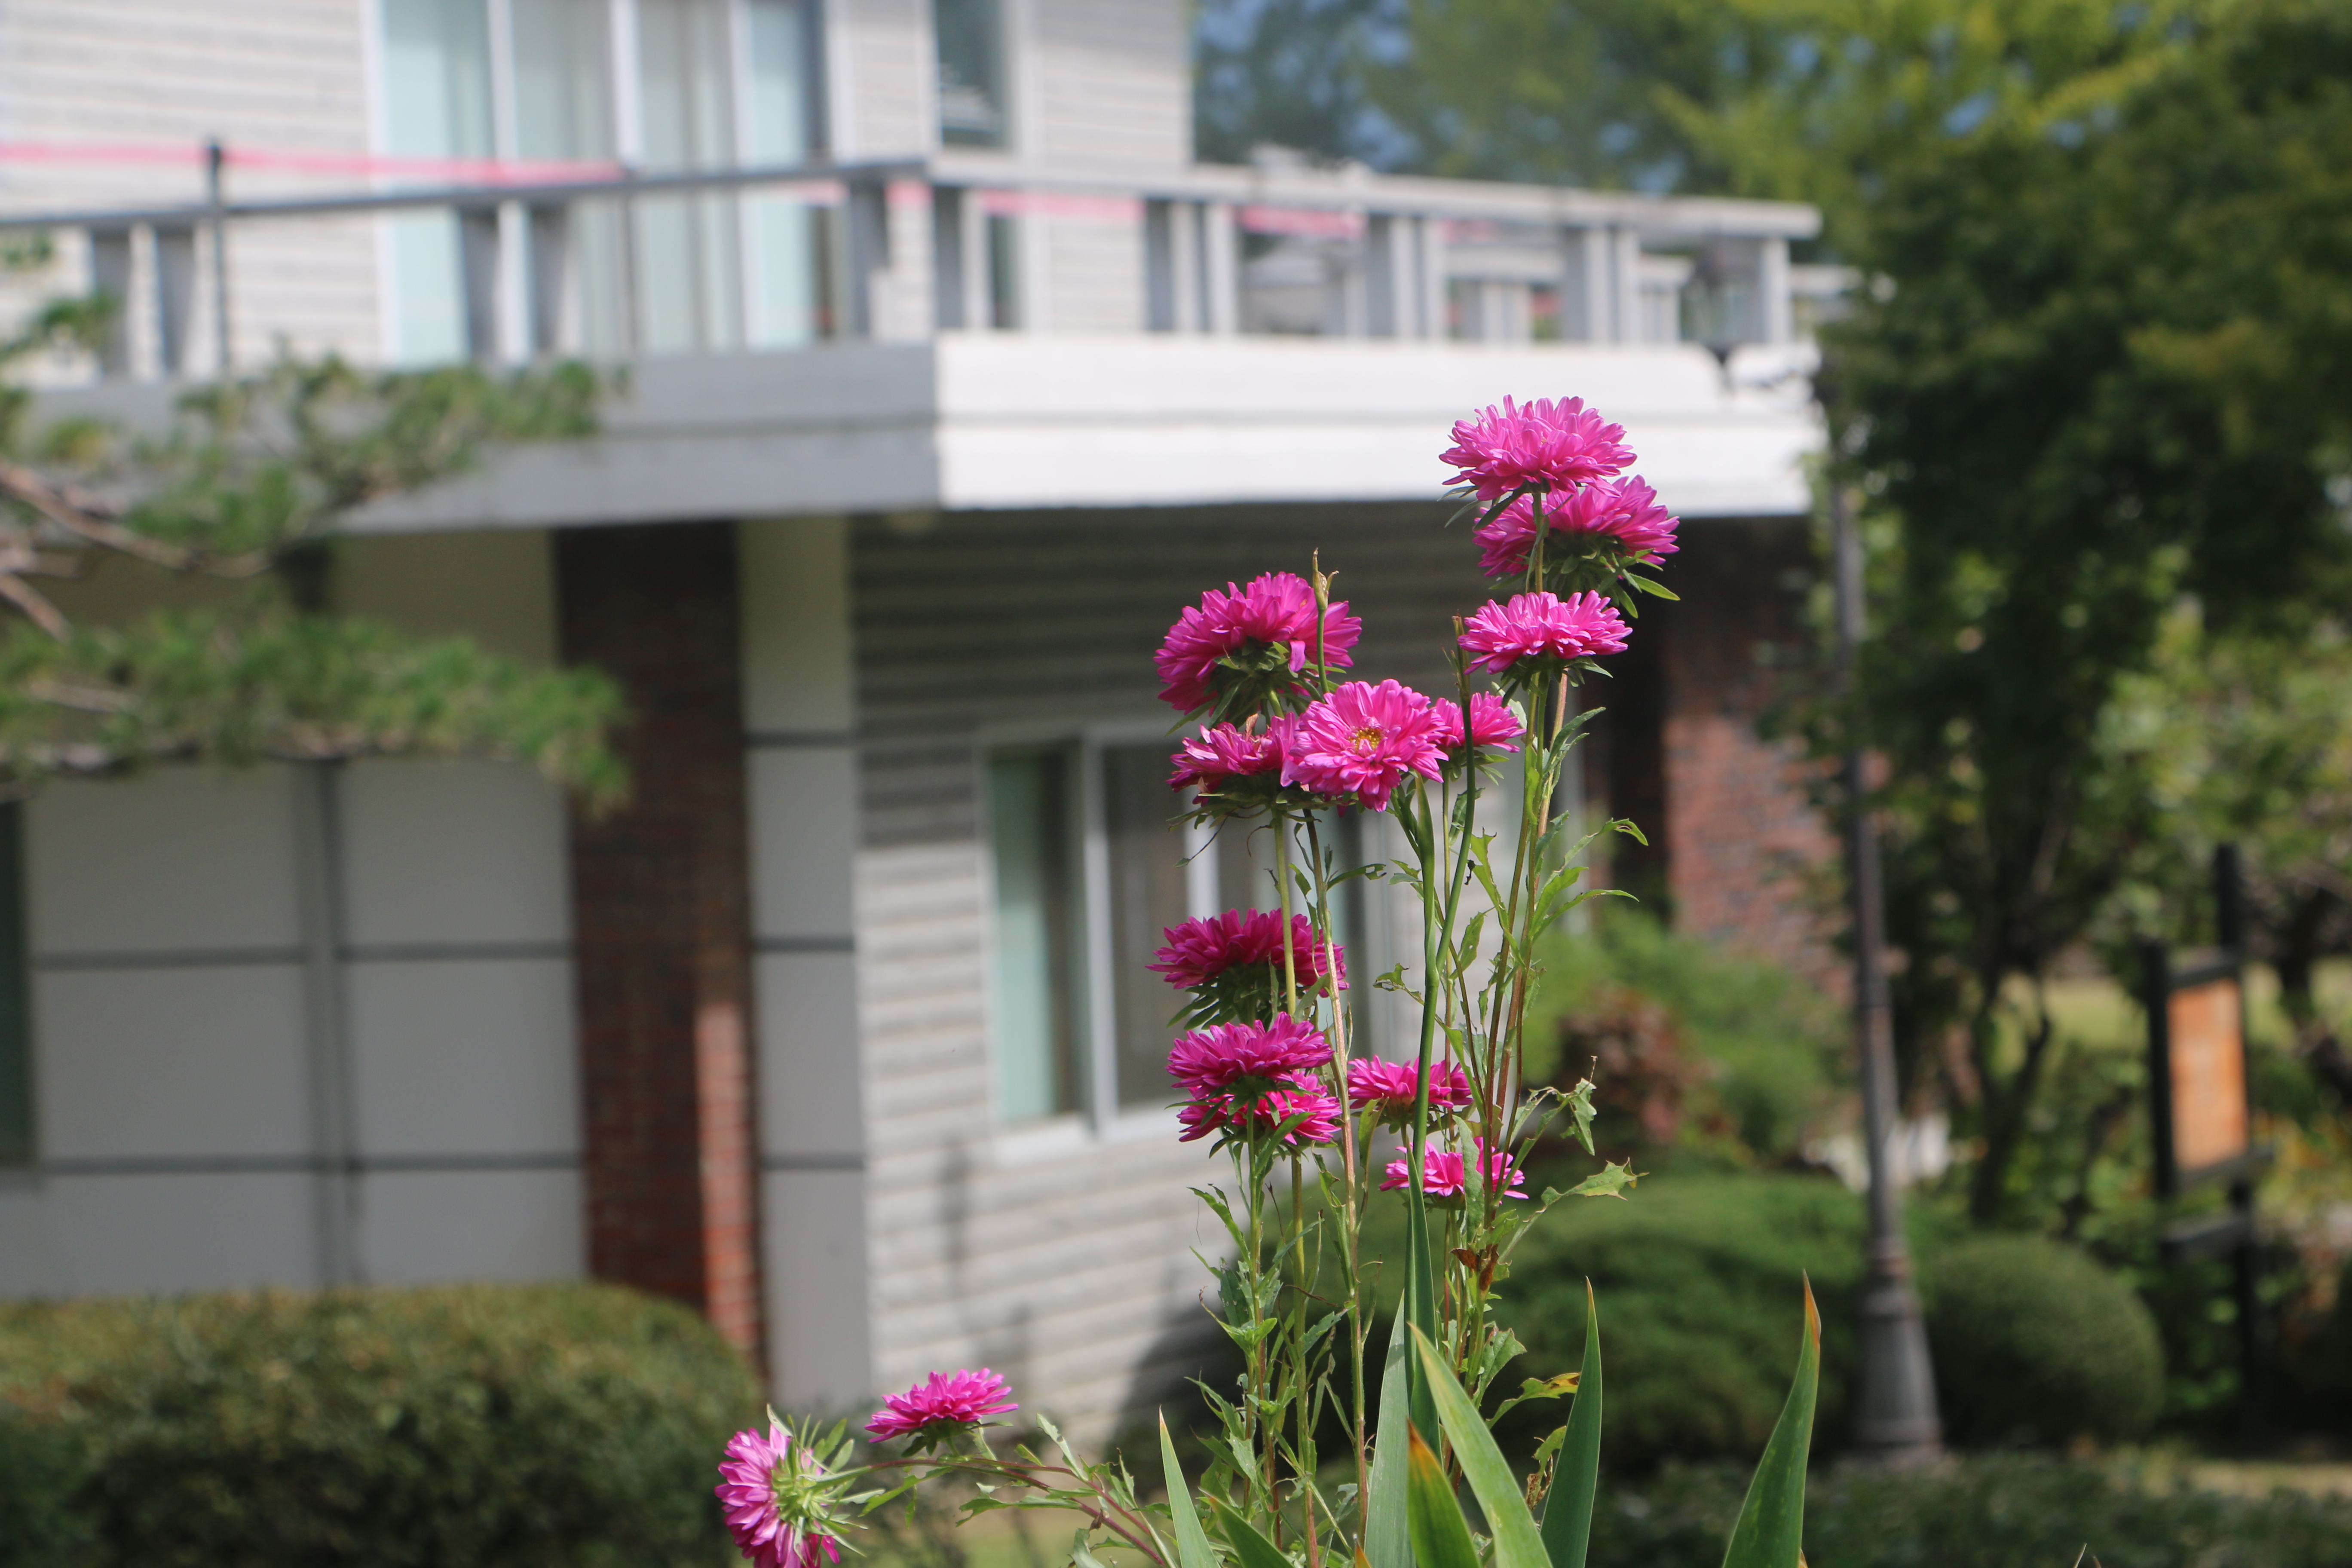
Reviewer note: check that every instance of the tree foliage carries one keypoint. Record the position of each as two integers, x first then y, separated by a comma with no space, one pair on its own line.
2106,372
247,488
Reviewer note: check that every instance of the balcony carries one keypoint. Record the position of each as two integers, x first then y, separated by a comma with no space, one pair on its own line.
950,333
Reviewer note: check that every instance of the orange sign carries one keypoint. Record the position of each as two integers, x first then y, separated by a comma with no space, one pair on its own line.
2209,1075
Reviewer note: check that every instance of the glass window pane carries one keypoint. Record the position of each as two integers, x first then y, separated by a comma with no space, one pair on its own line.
564,80
1147,896
16,998
971,35
437,80
686,294
1036,1012
780,127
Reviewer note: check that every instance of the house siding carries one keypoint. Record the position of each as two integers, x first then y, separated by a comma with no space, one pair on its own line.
274,74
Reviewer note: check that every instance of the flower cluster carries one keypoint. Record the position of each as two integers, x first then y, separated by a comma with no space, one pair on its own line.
1553,444
775,1501
943,1406
1389,1088
1251,1080
1492,724
1200,951
1445,1174
1623,514
1360,742
1542,627
1241,646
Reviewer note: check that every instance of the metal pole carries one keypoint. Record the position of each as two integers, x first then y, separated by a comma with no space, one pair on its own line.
217,203
1896,1422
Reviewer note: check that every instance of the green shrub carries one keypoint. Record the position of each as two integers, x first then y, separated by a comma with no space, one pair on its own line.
569,1424
1767,1049
1700,1281
2035,1343
2014,1510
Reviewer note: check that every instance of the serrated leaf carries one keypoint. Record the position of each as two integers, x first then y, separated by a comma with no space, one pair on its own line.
1558,1388
1772,1528
1609,1181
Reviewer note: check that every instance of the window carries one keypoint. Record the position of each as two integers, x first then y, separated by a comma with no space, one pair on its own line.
661,84
1090,869
15,996
971,36
1032,838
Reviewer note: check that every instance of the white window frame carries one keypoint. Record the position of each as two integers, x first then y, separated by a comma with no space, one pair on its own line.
1100,1118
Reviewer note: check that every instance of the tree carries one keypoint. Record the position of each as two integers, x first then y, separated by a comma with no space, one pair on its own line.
244,492
2108,369
1290,73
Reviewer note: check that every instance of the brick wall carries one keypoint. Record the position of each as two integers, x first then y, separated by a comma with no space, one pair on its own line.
1732,833
660,913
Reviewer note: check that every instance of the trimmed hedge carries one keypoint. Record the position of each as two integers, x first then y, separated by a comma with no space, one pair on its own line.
2036,1343
1700,1281
453,1427
2031,1510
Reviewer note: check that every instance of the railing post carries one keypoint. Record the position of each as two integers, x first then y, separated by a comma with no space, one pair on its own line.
1221,268
480,276
217,204
175,296
867,215
109,274
1776,316
1430,234
513,344
554,281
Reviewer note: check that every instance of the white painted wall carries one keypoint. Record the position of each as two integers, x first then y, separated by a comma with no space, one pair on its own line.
799,718
190,1072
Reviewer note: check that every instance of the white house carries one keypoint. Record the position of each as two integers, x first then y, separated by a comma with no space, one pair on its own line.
952,379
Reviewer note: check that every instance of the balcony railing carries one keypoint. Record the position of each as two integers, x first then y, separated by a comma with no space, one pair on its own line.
726,260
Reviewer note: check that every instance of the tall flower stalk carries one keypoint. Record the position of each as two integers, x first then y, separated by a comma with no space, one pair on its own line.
1271,1065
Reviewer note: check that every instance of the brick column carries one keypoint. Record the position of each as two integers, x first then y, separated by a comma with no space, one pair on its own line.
660,901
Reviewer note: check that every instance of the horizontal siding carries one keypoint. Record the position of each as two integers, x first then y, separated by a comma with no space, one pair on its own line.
1072,1273
276,74
1114,85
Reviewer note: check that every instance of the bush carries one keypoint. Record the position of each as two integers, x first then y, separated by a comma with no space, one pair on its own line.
2035,1343
1966,1513
1700,1283
570,1424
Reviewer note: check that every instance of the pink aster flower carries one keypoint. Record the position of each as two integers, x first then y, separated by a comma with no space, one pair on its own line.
1361,741
1492,722
1542,625
1316,1113
773,1508
1389,1087
965,1399
1223,751
1444,1173
1624,510
1199,950
1559,443
1275,612
1246,1059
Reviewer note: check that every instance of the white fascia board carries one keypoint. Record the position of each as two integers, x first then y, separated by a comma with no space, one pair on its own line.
993,421
1165,421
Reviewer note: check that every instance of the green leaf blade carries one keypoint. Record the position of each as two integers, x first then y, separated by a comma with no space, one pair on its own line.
1517,1543
1771,1531
1576,1477
1193,1548
1440,1536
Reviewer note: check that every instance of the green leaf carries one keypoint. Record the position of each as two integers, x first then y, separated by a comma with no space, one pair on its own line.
1568,1510
1771,1531
1387,1542
1558,1388
1609,1181
1248,1543
1193,1548
1517,1543
1440,1536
